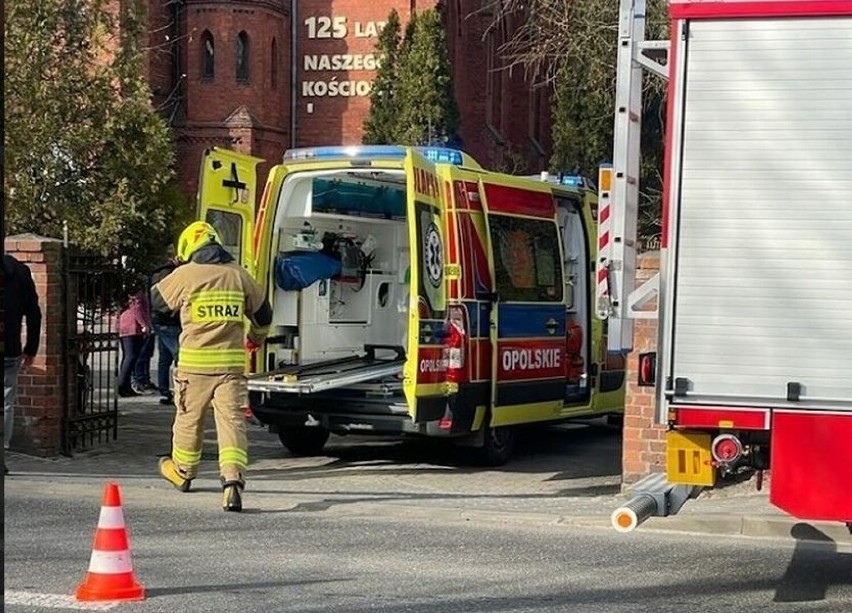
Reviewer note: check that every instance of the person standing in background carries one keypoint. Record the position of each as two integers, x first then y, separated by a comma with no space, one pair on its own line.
134,325
141,377
167,330
20,301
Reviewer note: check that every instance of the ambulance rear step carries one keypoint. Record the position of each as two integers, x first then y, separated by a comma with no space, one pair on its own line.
332,374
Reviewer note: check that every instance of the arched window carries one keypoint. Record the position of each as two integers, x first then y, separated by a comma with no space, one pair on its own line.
242,58
207,57
273,64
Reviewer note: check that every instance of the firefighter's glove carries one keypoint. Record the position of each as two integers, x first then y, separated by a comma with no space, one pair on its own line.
251,346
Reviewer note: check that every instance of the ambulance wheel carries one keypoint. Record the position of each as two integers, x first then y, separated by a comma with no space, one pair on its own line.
615,419
497,446
302,441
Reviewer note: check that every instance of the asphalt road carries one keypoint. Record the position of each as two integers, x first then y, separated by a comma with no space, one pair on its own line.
285,554
384,525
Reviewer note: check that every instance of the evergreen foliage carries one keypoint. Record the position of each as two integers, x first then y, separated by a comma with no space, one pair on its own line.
83,144
378,127
423,109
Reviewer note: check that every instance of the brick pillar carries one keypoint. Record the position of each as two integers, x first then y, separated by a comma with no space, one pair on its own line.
644,440
41,401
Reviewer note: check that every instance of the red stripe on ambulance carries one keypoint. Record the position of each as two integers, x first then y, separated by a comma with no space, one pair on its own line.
516,201
517,360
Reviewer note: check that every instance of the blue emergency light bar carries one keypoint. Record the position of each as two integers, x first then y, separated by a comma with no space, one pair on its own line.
335,152
561,179
438,155
442,155
573,180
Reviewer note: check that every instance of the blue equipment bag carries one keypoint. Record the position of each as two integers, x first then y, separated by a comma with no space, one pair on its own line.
298,270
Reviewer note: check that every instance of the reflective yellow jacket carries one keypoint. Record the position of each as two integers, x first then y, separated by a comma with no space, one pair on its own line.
213,296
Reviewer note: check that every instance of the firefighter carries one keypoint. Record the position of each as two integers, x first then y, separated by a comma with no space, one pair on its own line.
213,295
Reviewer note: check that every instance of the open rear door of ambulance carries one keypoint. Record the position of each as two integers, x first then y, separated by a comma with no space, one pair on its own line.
425,370
226,200
528,320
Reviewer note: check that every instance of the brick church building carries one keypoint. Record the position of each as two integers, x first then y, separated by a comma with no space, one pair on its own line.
262,76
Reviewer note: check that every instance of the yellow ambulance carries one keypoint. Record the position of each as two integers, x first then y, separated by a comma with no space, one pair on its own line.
416,293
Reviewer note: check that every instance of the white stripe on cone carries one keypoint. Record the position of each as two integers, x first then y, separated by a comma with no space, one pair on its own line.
111,517
110,562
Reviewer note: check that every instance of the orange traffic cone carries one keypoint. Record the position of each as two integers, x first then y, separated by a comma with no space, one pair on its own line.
110,575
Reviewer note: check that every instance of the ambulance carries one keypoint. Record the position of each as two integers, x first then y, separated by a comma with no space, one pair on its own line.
415,293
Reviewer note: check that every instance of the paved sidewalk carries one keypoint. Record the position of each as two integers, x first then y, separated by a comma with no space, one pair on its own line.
382,475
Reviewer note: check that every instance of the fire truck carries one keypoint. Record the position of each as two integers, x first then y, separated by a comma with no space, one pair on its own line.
752,367
415,293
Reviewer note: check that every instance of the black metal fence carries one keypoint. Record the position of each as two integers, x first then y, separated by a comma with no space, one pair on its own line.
93,294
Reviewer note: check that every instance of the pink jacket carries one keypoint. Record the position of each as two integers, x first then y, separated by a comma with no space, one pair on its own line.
135,319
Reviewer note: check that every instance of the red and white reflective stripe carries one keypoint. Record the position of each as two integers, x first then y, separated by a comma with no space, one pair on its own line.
604,245
604,225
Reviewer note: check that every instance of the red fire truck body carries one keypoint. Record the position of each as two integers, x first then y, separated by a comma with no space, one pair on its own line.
754,359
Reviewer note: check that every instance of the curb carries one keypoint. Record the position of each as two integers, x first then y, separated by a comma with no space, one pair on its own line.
753,526
781,528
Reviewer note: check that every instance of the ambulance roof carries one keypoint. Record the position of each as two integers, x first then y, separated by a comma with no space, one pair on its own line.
438,155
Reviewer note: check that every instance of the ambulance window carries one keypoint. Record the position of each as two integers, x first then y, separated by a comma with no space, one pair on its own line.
230,229
526,261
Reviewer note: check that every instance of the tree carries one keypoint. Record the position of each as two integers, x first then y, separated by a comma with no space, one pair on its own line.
379,125
428,113
83,144
412,101
571,46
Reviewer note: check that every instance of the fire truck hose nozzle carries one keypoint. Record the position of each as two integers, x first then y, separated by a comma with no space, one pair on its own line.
639,508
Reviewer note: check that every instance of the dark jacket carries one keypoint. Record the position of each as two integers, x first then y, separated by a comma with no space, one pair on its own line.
20,300
160,318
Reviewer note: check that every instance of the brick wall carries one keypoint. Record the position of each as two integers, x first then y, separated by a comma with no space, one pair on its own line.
205,105
497,125
644,440
41,401
338,120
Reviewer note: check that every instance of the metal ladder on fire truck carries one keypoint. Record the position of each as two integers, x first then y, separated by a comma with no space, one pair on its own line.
618,300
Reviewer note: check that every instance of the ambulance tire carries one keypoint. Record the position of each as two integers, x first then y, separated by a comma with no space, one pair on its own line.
615,419
497,447
303,441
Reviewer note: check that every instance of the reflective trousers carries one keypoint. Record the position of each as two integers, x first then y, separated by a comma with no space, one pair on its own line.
193,395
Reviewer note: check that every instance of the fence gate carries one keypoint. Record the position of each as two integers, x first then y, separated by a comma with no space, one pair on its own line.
93,290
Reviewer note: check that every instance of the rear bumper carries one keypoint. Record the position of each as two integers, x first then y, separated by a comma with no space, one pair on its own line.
346,411
809,450
341,415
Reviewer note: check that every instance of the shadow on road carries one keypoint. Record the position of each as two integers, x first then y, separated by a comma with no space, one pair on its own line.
557,454
335,500
808,578
574,451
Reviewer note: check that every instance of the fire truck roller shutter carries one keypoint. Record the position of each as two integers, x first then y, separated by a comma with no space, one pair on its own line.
762,279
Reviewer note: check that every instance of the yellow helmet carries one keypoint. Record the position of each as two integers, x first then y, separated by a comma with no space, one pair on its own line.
196,235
